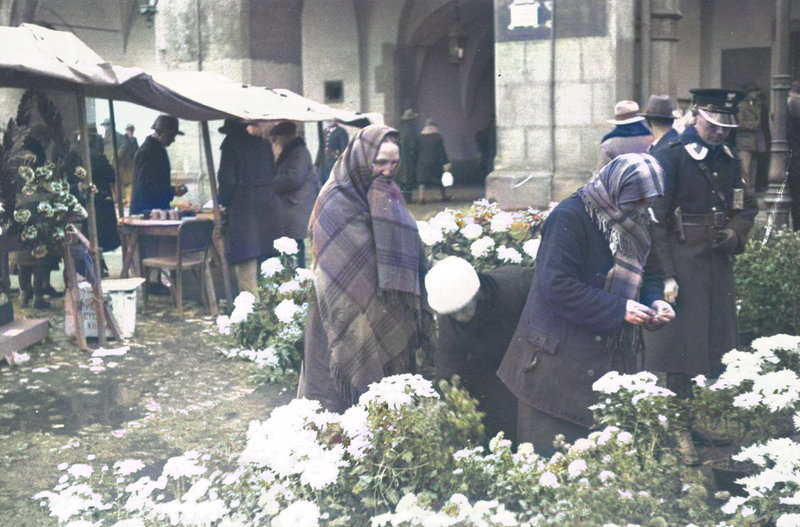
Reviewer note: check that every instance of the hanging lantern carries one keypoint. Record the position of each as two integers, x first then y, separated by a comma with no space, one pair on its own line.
456,39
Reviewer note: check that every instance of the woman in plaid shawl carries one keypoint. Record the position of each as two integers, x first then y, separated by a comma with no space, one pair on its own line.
368,318
591,290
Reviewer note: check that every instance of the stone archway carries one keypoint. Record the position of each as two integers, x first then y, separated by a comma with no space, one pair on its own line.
460,98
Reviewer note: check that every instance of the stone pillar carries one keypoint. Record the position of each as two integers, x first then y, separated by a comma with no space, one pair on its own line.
664,17
556,85
777,197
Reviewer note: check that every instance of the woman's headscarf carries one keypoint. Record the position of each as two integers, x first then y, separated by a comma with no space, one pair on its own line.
367,252
626,179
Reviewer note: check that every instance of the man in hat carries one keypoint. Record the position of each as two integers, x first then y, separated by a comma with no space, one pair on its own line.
660,116
108,140
750,140
152,188
703,220
478,313
127,149
629,136
336,140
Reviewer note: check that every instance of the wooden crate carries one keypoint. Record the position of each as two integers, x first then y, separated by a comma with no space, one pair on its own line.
19,334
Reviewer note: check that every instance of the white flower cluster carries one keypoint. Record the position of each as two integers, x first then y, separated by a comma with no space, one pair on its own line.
457,511
642,385
397,391
242,307
265,358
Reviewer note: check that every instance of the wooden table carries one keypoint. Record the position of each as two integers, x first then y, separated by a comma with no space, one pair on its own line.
134,228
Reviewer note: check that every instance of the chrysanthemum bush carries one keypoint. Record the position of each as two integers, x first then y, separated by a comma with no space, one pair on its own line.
267,327
484,235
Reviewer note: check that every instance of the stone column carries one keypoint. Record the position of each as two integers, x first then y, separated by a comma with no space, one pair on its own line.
664,17
777,197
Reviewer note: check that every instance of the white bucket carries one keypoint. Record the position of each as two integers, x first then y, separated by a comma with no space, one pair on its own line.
120,297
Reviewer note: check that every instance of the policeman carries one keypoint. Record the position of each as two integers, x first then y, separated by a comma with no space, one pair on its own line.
703,220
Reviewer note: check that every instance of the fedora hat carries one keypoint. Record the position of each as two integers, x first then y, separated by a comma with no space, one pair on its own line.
409,115
626,112
660,107
166,123
232,125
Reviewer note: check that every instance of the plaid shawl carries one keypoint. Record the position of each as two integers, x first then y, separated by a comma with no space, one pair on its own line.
367,266
627,178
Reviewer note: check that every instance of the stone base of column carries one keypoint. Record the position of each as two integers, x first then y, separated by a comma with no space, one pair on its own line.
518,189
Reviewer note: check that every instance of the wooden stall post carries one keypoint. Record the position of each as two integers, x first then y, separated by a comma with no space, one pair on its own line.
212,181
95,249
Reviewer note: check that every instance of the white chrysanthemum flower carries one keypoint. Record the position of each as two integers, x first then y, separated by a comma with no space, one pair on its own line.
130,522
289,287
128,466
531,247
286,310
481,247
548,479
183,466
576,468
301,513
286,245
445,221
509,254
606,475
472,231
776,342
270,267
429,234
501,221
304,274
80,470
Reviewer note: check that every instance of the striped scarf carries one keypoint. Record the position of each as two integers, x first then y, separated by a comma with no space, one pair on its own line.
626,179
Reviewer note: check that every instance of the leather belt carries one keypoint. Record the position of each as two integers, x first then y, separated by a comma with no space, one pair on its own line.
712,219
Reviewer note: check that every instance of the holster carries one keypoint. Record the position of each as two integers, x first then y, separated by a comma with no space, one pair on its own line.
677,223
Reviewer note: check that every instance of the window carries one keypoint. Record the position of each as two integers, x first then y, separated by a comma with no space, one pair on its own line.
334,91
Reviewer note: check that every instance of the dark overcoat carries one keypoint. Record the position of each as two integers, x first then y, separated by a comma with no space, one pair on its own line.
247,189
336,140
565,339
430,159
474,349
704,327
104,178
408,152
296,187
152,186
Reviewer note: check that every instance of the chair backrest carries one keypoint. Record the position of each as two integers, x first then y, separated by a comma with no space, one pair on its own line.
194,235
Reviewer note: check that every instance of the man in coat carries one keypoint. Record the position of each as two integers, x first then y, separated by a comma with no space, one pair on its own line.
629,136
152,188
704,218
660,117
408,151
247,191
295,183
750,139
127,151
336,140
478,313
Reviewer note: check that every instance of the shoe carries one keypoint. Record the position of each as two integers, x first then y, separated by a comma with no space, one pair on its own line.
157,289
688,453
24,298
40,303
52,293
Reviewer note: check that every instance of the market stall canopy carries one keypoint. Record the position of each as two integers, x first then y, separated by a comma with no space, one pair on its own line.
251,102
34,57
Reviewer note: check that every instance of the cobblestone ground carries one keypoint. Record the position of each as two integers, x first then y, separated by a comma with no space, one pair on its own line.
171,391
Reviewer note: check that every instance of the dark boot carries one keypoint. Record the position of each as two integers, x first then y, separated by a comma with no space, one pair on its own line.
40,303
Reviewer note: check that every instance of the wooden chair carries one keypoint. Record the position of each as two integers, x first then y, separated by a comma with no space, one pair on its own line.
194,240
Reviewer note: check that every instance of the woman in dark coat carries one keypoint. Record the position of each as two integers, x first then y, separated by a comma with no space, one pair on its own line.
247,190
431,159
103,178
295,184
580,317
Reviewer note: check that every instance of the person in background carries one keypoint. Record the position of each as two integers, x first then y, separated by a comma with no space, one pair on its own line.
152,188
247,191
126,152
408,152
477,316
431,160
629,136
368,317
295,184
593,288
793,139
336,140
108,141
750,136
103,178
660,116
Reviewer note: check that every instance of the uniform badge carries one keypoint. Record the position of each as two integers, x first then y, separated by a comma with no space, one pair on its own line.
728,150
697,151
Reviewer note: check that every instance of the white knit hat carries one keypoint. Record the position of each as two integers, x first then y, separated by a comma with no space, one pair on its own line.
451,284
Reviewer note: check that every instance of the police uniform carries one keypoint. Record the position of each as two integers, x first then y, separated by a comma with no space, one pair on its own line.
704,219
